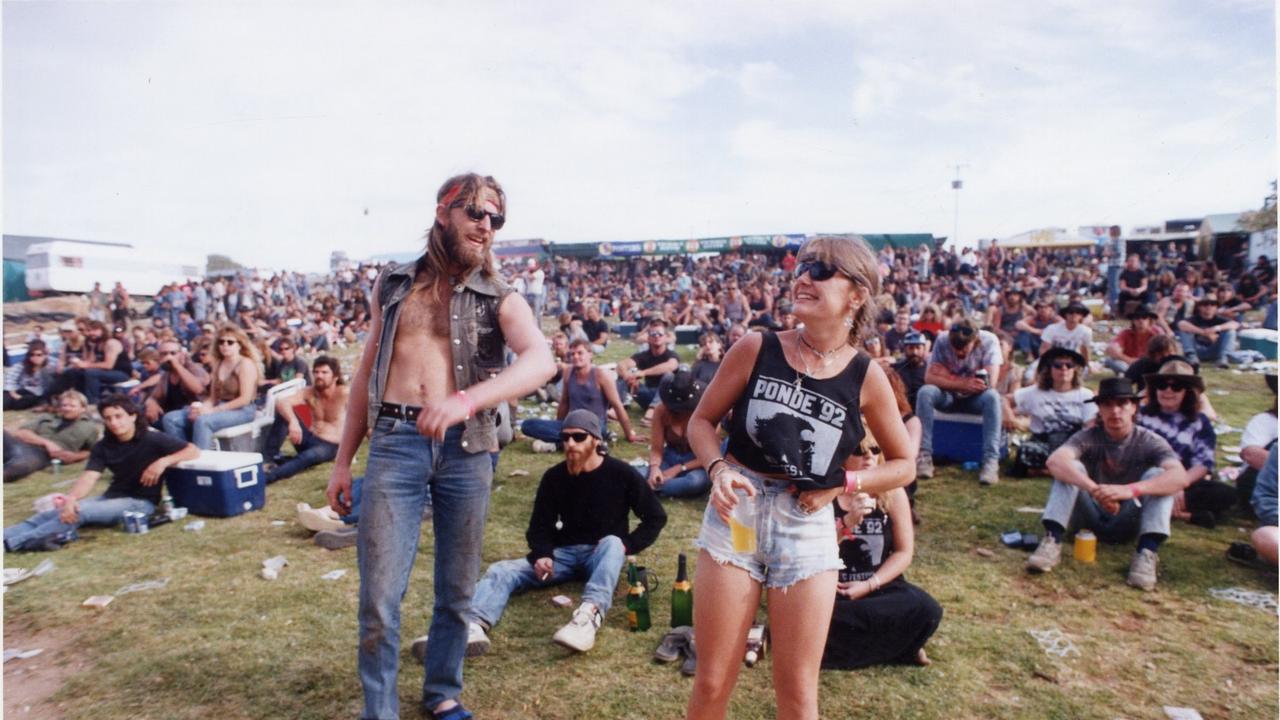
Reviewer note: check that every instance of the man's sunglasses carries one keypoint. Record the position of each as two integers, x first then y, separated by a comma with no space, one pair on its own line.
657,333
577,437
1174,385
816,269
496,220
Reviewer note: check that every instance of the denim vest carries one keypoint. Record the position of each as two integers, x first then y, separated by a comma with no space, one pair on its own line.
477,344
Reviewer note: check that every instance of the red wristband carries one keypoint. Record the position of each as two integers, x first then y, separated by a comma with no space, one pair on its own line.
852,482
1137,491
466,399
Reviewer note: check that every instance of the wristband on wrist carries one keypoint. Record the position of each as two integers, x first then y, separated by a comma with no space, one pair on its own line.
466,399
1137,491
711,469
852,482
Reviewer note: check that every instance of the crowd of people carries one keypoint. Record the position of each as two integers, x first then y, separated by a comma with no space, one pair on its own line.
815,400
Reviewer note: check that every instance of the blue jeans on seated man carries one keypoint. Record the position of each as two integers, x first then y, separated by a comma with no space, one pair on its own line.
1074,509
932,398
644,395
545,430
21,459
1196,347
692,483
98,510
599,565
312,451
404,472
201,430
92,380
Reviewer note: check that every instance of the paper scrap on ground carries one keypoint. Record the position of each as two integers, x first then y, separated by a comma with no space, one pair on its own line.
333,574
277,523
97,602
1031,510
1053,642
518,473
146,585
271,567
1181,713
1260,600
17,575
15,654
194,525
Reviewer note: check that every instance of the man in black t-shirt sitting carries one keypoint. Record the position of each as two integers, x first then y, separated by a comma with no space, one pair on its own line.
643,371
579,529
135,454
596,329
1133,285
1207,336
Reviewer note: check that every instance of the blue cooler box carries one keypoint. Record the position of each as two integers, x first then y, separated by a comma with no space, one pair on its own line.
218,484
1260,340
958,437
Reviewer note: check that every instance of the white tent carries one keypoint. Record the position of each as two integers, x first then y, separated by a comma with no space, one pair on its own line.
1046,238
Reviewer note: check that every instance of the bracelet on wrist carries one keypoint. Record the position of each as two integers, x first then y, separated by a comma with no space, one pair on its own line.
1137,491
711,469
852,482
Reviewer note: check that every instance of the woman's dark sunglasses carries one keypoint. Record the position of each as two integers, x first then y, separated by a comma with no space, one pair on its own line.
496,220
1064,366
578,437
817,270
1174,385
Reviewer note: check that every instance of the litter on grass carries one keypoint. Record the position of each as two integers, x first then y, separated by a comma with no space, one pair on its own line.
518,472
271,567
140,586
333,574
277,523
194,526
1181,713
1053,642
17,575
97,602
16,654
1031,510
1260,600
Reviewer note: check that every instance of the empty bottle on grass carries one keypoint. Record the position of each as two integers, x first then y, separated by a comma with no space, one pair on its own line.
682,596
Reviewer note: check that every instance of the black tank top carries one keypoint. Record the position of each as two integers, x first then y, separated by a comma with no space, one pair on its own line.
789,424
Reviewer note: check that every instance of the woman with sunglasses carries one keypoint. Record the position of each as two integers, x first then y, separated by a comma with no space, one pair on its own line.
1057,406
1173,412
798,398
27,384
234,383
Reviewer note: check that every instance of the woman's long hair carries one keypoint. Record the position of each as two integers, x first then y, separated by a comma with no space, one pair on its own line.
851,256
28,367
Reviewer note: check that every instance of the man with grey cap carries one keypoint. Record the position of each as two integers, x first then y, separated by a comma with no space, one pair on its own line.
911,368
579,530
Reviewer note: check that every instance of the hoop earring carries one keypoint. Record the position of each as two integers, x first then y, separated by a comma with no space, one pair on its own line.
848,321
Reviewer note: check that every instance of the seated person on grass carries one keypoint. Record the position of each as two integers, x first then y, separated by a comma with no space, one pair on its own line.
180,382
27,384
1129,477
65,436
327,402
643,371
1256,441
288,366
1206,335
578,531
135,454
1266,538
954,385
585,387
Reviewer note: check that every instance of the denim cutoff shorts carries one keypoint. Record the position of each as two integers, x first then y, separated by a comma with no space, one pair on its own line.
790,545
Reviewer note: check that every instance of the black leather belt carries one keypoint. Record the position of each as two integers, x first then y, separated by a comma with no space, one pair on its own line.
408,413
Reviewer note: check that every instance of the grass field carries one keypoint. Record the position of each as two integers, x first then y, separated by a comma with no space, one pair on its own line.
220,642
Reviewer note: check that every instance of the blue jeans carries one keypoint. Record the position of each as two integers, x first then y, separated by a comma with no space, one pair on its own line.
93,511
200,431
1072,509
311,451
404,468
598,564
687,484
932,398
21,459
1197,347
645,395
545,430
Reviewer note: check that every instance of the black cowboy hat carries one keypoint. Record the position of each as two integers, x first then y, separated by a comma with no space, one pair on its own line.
1115,388
1074,307
1143,311
1053,353
679,391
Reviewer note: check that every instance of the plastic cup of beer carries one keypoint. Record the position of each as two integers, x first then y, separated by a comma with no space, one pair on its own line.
742,523
1085,549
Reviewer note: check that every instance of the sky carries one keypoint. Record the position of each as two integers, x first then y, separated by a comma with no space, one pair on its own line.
278,132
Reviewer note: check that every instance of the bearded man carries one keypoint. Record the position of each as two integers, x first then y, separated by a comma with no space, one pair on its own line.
427,385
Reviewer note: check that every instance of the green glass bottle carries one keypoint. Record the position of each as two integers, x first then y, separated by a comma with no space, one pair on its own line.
682,596
637,601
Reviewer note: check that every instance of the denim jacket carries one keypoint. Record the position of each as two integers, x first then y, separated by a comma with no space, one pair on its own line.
477,344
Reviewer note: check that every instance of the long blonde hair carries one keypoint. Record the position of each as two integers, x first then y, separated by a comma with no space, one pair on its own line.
247,350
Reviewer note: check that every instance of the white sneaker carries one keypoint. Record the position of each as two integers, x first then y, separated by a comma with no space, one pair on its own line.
319,519
477,639
542,446
580,634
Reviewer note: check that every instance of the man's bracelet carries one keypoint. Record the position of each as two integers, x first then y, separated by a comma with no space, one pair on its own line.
466,399
711,469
